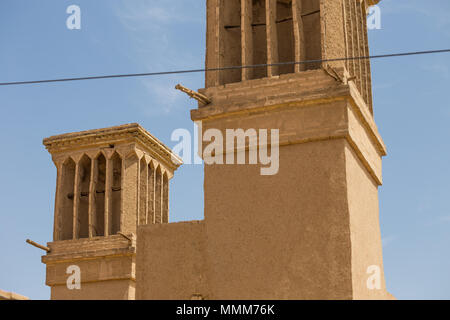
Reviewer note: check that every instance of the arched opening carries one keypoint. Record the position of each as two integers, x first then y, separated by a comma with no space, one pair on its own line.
230,55
116,193
65,211
259,38
98,223
285,36
312,32
84,178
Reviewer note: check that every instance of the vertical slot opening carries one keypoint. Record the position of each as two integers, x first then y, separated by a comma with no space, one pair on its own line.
259,38
165,199
231,41
83,207
99,217
116,193
312,33
285,32
67,194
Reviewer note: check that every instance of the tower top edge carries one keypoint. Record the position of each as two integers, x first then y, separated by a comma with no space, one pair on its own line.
132,132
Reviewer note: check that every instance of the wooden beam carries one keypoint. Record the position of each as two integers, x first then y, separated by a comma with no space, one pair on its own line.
37,245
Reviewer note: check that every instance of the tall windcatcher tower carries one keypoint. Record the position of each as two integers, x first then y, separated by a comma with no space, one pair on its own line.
109,182
311,231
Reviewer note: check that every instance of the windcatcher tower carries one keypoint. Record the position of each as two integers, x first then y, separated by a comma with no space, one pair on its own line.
109,182
312,230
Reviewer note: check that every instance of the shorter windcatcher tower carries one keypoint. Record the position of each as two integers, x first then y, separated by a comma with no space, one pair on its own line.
109,182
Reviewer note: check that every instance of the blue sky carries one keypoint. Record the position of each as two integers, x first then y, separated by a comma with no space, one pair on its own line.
411,102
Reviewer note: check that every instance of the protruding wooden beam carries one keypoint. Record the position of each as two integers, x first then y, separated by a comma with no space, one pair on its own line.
193,94
247,38
272,37
37,245
299,35
128,237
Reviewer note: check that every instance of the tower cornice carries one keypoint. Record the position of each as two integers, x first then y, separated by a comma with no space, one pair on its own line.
113,135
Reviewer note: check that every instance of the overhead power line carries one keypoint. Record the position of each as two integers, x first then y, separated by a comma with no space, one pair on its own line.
149,74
